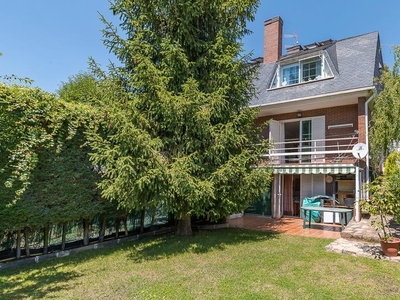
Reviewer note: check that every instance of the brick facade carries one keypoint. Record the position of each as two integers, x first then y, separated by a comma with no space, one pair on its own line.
333,115
361,120
273,39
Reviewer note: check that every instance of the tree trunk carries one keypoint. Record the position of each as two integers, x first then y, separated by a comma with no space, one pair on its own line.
18,246
171,219
125,221
153,216
102,228
46,240
26,237
117,223
85,232
184,227
142,218
63,236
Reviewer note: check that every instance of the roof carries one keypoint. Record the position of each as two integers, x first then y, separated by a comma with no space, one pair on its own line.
354,61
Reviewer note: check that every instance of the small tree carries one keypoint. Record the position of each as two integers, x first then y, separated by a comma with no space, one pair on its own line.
380,204
385,130
385,197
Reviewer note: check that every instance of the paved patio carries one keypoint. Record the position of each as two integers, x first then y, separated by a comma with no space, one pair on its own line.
357,238
292,226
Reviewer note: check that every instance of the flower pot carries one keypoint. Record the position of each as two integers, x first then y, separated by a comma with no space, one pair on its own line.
390,248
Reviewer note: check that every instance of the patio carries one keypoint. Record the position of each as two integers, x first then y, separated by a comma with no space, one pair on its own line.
358,238
292,226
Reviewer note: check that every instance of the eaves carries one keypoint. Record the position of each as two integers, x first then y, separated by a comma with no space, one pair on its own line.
345,97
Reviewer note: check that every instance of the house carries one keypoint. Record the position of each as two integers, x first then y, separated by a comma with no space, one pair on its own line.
317,99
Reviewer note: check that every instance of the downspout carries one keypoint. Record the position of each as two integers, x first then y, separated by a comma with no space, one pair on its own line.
367,158
357,217
367,135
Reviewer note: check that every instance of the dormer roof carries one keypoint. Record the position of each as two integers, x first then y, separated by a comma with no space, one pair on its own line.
355,62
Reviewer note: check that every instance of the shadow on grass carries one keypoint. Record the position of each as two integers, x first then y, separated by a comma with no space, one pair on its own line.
40,280
200,242
35,283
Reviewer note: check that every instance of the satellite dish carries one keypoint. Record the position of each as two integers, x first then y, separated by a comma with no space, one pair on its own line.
359,150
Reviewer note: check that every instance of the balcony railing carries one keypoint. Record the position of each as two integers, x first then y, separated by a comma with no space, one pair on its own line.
331,150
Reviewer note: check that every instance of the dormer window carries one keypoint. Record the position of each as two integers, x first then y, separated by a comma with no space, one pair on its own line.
304,70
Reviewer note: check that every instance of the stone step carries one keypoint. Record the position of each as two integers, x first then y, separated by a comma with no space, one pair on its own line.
359,248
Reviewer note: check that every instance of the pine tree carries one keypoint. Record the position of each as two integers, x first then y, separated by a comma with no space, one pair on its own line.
177,129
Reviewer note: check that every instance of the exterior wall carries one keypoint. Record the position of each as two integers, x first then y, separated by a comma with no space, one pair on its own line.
273,39
312,185
333,115
361,120
315,144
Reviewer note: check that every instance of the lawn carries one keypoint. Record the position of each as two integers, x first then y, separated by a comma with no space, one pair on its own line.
221,264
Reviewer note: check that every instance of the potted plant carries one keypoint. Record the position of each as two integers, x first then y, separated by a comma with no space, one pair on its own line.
383,202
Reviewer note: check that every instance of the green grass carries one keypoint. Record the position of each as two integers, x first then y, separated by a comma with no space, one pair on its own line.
222,264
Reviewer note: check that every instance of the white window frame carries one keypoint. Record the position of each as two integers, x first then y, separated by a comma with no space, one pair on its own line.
318,68
280,79
286,80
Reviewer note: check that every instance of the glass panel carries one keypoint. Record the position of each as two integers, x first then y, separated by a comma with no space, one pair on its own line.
274,82
327,69
311,70
290,75
305,136
292,132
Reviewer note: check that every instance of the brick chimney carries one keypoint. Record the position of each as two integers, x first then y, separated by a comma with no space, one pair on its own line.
273,39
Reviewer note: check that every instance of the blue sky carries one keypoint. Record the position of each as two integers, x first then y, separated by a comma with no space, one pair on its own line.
50,40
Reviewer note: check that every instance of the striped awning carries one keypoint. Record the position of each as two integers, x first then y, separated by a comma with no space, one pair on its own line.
315,169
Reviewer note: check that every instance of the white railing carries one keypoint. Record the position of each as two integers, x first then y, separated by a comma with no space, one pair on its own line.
311,151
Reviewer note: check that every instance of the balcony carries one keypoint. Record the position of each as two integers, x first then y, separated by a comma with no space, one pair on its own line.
330,150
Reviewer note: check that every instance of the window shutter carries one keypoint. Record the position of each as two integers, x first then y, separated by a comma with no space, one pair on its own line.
275,138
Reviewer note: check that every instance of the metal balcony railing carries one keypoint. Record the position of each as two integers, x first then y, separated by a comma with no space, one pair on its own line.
312,151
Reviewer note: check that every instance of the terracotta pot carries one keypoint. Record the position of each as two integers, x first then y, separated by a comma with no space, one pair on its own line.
390,248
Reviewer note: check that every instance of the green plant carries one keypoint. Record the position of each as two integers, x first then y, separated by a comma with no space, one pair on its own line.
383,202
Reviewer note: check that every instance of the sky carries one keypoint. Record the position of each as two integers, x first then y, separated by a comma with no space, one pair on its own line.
49,41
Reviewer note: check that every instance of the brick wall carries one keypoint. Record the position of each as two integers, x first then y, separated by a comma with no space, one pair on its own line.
333,116
272,39
361,120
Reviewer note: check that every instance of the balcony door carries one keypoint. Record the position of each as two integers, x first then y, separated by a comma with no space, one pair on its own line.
297,135
294,137
291,195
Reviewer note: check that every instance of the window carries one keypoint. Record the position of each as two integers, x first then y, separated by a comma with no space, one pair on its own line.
290,75
311,70
306,70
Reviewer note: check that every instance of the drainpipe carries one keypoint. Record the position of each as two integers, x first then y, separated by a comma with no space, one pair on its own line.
367,135
357,216
366,194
